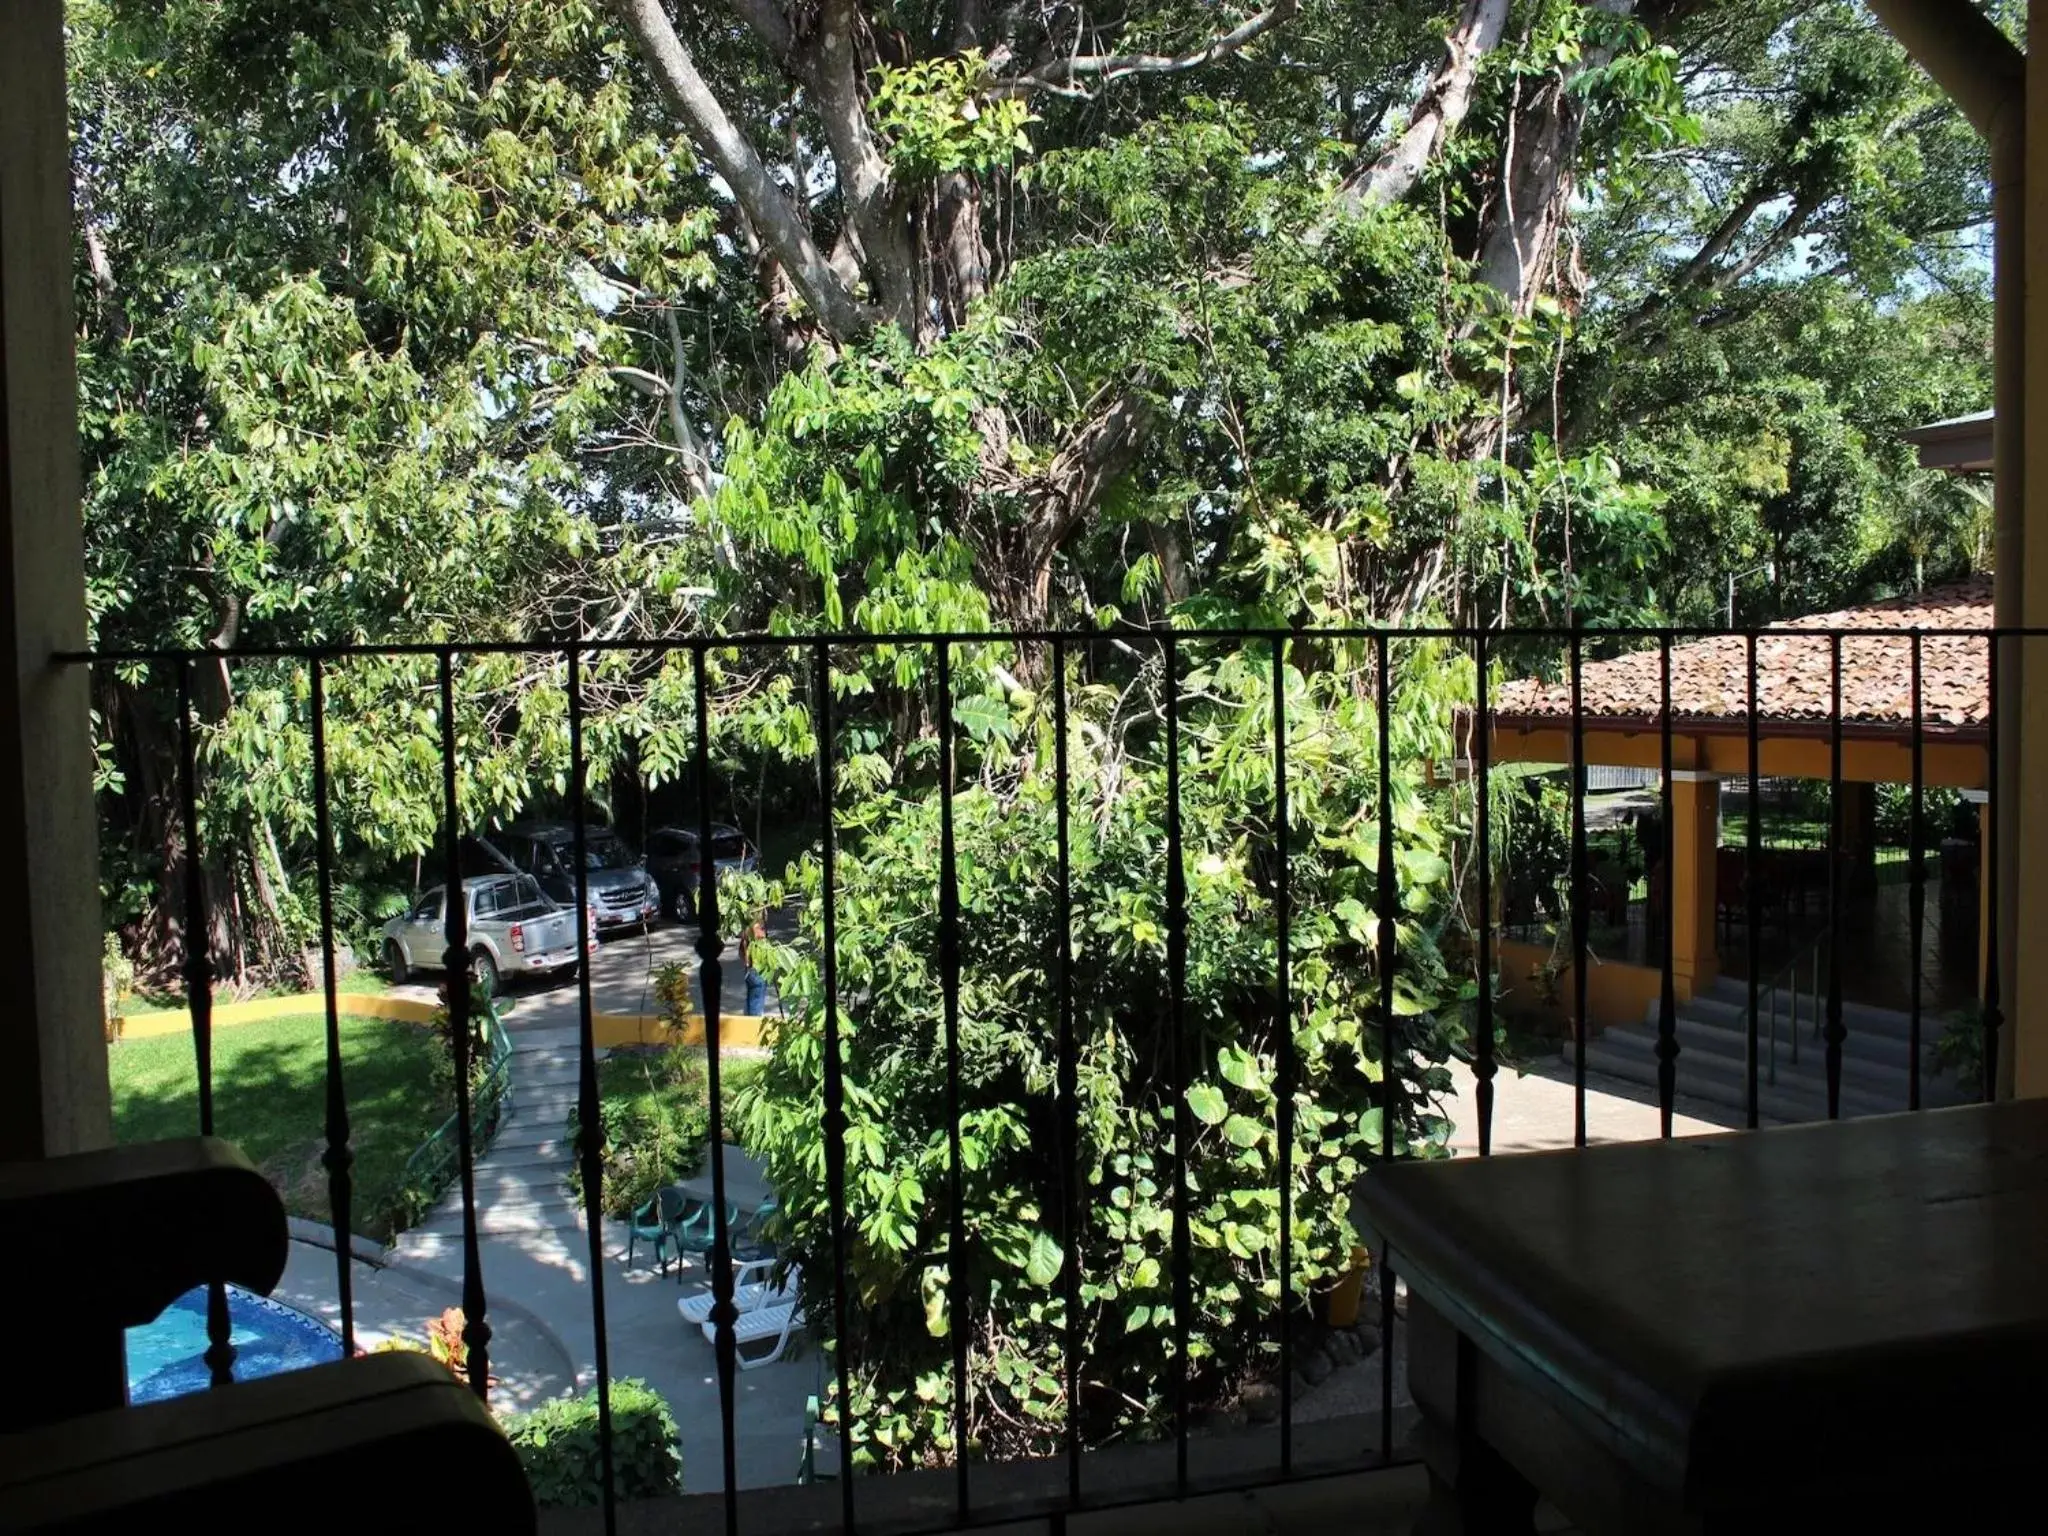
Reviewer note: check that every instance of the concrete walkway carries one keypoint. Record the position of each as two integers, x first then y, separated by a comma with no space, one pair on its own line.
542,1267
535,1249
528,1361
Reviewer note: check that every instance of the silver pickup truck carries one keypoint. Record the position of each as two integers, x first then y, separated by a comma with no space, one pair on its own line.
514,930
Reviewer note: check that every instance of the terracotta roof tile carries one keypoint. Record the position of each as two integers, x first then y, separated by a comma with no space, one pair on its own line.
1709,678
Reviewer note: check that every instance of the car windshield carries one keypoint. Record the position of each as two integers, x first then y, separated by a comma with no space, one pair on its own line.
605,852
731,846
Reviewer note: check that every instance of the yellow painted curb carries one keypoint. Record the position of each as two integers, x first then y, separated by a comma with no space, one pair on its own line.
743,1030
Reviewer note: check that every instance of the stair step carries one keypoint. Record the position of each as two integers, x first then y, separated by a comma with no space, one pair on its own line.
532,1141
506,1217
1863,1056
1858,1018
1722,1080
553,1037
1882,1083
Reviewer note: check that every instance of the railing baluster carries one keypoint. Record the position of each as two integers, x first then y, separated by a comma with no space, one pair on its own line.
949,985
1386,897
1069,1074
835,1076
711,979
1484,1066
1834,1033
338,1157
1667,994
589,1112
1177,1062
1283,1006
1992,1016
1578,880
220,1349
1916,890
476,1332
1752,864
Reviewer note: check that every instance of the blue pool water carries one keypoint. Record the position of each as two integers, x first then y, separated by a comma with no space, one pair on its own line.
166,1358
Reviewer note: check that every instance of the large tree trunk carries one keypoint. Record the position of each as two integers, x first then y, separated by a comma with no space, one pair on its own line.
1518,254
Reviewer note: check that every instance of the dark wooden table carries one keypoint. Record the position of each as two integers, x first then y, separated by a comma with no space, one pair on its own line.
1834,1323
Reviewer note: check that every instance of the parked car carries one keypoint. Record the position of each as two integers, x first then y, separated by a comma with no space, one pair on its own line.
673,860
621,890
514,930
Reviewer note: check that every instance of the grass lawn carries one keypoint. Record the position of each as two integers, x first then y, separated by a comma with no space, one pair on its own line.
270,1098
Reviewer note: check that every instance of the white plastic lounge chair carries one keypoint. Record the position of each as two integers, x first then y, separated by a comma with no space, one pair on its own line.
747,1295
774,1325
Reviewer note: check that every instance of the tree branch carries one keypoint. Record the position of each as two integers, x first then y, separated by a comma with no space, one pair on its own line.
1059,75
1438,112
721,142
765,19
834,74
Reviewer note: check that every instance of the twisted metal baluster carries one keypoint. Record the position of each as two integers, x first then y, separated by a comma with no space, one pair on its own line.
1667,1009
835,1080
1283,1007
339,1157
589,1111
1069,1073
1835,1032
710,947
949,982
476,1331
1177,1063
220,1349
1484,1067
1386,897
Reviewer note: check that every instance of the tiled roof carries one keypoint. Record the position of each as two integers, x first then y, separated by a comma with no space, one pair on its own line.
1710,678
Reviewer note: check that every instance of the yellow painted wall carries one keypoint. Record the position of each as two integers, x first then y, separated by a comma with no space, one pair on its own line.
741,1030
1616,992
1945,764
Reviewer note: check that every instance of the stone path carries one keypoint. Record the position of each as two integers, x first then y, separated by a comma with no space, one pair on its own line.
522,1178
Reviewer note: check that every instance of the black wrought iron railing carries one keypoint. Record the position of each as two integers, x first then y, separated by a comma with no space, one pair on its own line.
1473,722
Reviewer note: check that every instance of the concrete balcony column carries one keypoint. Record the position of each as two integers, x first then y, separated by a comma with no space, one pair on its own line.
53,1059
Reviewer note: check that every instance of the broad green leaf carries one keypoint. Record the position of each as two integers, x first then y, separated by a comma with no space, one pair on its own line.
1043,1265
1206,1100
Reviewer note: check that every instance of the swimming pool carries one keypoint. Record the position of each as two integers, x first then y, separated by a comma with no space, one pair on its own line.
167,1358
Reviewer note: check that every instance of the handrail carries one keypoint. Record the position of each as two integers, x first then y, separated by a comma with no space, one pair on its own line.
434,1160
1808,956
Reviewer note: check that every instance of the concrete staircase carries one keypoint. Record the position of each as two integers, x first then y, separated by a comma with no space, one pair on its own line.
1712,1032
522,1180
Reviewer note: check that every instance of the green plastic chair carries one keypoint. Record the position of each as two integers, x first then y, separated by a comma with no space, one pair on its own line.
657,1222
750,1232
693,1231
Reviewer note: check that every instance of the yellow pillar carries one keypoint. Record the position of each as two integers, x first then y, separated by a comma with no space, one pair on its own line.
1696,817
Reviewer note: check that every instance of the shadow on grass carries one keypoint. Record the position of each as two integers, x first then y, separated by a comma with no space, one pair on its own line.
270,1098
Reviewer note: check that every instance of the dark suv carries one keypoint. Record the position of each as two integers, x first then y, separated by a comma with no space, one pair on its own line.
621,890
673,859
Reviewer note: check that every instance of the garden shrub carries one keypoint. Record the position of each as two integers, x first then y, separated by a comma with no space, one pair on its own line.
655,1107
656,1116
899,1260
558,1446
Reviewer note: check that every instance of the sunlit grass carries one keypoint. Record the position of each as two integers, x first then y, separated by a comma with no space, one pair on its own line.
270,1099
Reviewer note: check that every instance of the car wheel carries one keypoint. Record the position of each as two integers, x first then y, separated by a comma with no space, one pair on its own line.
483,970
681,907
394,963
